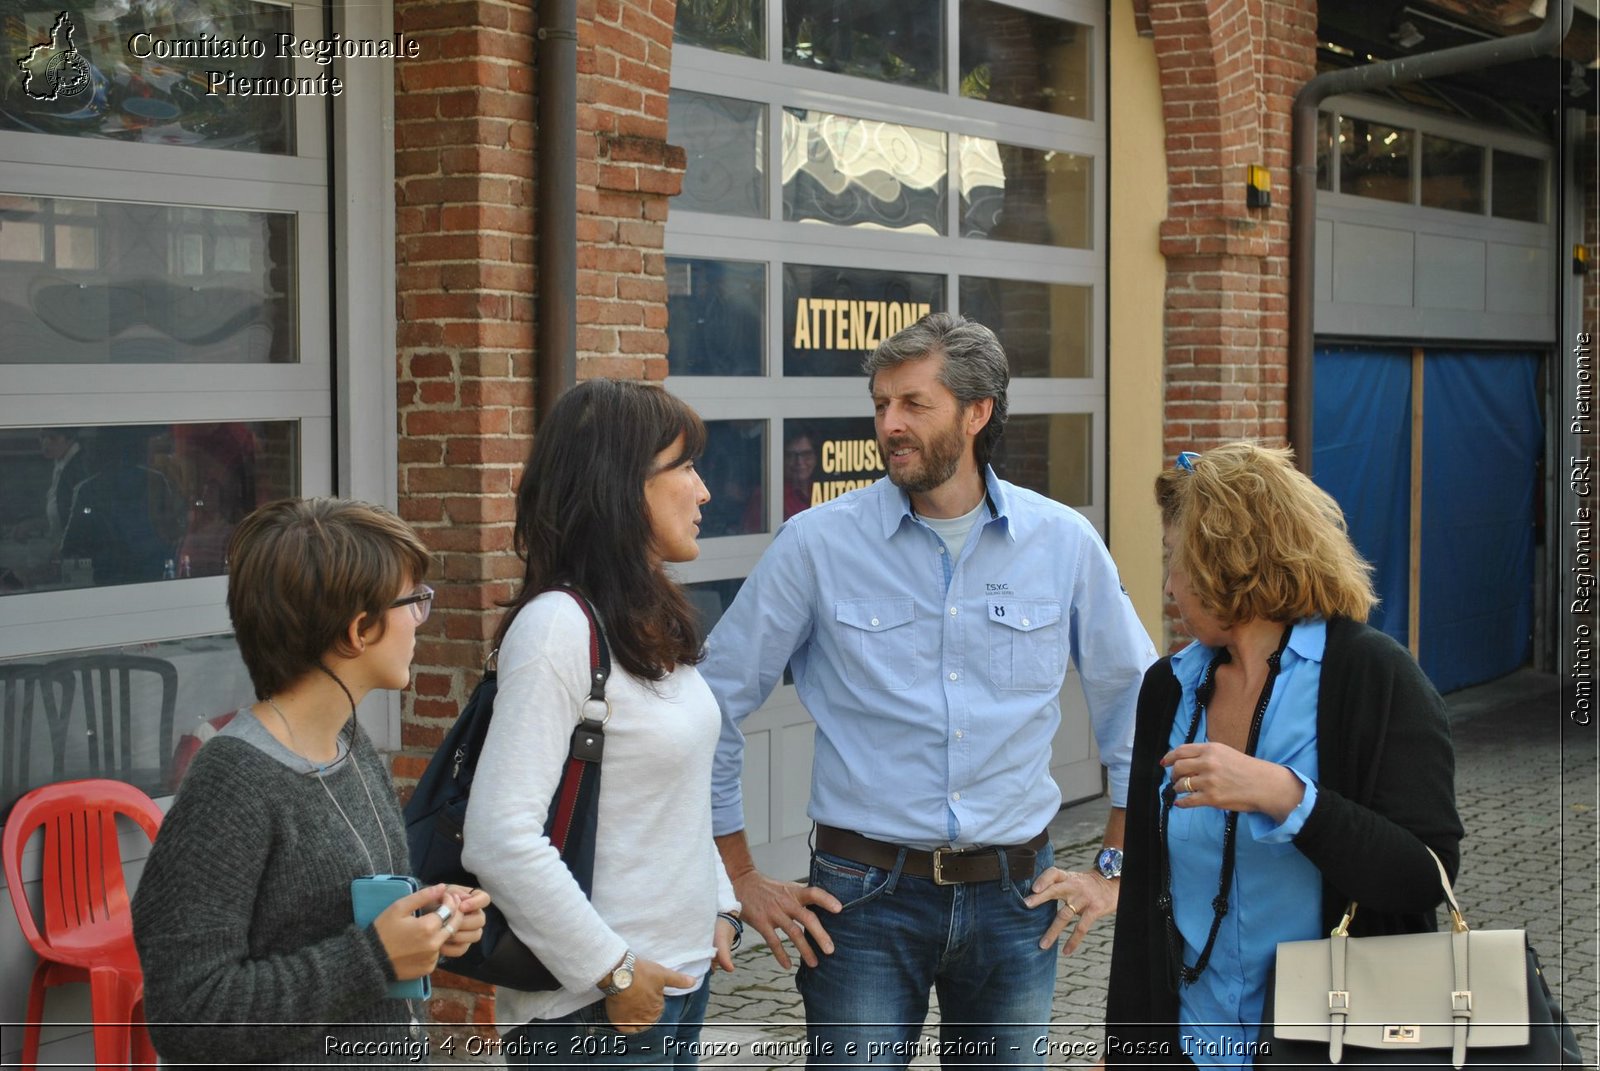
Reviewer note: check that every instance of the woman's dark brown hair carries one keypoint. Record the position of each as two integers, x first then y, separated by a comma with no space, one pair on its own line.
581,519
300,570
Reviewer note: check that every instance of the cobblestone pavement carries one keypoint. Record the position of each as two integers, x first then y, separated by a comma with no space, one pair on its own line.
1527,790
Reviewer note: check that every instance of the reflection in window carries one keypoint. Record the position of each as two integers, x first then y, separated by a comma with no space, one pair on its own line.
734,469
736,26
94,282
1011,56
1045,328
848,457
711,599
1325,141
98,75
129,504
725,139
1374,160
1050,453
902,42
716,317
1518,186
834,317
863,173
1452,174
74,718
1018,194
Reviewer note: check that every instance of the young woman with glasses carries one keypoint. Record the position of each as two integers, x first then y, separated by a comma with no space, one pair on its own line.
244,913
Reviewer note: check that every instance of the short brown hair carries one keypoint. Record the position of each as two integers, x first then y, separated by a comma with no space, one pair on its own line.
300,570
1259,540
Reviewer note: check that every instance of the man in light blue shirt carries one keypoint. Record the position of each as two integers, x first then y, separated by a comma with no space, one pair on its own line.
928,620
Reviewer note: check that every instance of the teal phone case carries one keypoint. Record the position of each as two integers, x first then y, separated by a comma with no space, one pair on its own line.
368,898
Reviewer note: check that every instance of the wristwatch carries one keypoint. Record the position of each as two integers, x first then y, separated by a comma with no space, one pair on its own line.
1109,863
622,977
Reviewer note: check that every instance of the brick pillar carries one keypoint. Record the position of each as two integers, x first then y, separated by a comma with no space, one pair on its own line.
626,173
1229,71
466,243
464,172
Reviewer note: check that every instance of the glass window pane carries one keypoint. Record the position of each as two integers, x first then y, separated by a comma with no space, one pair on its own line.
1374,160
1018,194
1051,453
107,70
1452,174
1325,127
64,713
734,469
716,317
847,455
834,317
863,173
725,139
95,282
1010,56
1045,328
126,504
902,42
711,598
736,26
1518,187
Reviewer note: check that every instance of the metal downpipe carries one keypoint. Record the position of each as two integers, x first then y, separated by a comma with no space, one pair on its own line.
1303,196
556,360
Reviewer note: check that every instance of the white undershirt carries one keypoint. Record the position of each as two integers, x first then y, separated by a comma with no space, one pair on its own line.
954,530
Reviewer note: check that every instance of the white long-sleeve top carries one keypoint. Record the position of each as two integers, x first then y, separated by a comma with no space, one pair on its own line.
658,879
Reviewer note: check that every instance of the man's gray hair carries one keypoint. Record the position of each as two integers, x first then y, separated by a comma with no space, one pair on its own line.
974,366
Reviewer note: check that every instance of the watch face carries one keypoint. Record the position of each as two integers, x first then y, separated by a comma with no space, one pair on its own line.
1110,862
622,977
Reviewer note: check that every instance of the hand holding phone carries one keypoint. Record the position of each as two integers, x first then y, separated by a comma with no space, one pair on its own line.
390,903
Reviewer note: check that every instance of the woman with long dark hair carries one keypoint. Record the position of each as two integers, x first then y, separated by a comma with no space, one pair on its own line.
609,496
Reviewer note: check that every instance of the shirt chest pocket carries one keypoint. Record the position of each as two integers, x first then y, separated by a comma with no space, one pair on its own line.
877,641
1027,644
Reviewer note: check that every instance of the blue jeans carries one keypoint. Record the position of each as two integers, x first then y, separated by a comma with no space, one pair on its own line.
586,1038
897,938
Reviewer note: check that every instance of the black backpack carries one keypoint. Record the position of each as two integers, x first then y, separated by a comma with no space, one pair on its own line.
437,814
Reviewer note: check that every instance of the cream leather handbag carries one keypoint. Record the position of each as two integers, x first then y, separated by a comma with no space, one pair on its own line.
1415,998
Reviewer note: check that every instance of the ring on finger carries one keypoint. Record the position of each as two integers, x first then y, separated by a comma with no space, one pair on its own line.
1188,783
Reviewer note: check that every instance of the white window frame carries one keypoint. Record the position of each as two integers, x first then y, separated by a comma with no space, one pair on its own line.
343,384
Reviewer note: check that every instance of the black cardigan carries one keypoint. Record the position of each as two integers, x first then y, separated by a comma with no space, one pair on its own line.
1386,788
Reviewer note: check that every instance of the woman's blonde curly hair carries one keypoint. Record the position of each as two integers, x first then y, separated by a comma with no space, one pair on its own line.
1259,540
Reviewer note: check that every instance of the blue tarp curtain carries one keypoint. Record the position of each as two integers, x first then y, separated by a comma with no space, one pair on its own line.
1482,437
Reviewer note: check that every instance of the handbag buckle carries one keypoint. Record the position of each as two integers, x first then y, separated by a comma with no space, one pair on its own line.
1402,1034
1461,1002
1339,1001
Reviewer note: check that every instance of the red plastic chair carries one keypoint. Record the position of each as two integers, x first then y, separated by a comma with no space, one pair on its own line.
88,927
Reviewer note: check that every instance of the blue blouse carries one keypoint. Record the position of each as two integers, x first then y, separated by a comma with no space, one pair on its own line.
1276,893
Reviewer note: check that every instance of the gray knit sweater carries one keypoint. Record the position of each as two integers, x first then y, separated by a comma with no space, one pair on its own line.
243,919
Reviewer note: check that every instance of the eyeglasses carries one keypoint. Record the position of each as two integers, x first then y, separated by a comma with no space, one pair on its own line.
420,601
1187,459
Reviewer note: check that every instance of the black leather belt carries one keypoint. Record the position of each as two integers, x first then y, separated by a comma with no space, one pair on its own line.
945,866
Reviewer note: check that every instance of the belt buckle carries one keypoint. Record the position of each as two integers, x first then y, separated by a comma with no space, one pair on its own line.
938,865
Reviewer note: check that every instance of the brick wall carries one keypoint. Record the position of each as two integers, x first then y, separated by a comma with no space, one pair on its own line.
465,171
1227,85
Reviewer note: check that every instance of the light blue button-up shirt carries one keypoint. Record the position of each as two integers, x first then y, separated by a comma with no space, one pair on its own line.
932,672
1277,892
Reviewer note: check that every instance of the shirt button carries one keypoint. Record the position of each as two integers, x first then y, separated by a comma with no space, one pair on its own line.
1024,622
941,549
874,620
958,734
956,796
952,611
955,676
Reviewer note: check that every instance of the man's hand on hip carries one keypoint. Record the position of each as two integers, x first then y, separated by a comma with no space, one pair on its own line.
785,907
